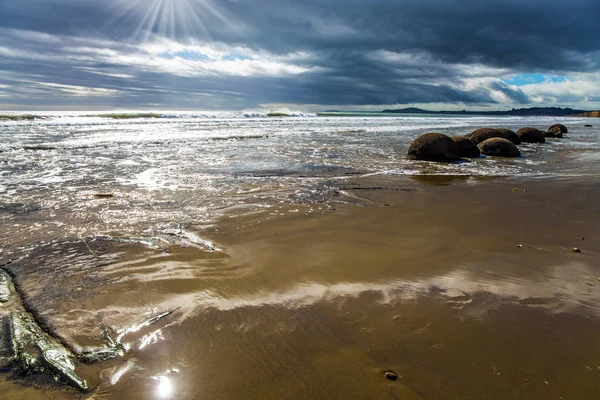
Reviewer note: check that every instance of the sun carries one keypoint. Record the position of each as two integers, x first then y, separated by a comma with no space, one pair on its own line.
174,19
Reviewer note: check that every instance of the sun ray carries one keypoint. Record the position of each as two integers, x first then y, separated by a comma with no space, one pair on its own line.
172,19
148,23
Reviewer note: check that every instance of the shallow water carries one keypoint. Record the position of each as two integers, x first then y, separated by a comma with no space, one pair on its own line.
307,263
190,167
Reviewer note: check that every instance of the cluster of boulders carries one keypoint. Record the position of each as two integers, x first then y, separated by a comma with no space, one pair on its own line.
499,142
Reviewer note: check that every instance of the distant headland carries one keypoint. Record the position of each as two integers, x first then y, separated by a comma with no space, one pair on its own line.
590,114
517,112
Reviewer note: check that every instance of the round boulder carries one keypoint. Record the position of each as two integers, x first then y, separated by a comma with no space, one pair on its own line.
509,135
531,135
553,134
466,146
558,128
434,146
499,147
482,134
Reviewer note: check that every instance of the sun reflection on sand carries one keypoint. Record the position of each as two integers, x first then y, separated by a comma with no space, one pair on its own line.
165,388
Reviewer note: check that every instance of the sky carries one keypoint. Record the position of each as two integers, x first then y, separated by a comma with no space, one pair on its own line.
305,55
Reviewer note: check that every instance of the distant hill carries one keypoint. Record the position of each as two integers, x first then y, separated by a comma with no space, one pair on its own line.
589,114
518,112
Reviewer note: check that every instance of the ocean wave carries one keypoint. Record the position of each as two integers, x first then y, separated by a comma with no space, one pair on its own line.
285,113
89,117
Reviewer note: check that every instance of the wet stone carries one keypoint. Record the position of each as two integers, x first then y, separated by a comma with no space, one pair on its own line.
466,146
434,146
35,351
28,348
4,288
391,375
6,350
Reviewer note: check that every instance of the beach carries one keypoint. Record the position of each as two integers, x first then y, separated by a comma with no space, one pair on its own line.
321,264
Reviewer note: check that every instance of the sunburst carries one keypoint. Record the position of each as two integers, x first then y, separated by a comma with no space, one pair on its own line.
174,19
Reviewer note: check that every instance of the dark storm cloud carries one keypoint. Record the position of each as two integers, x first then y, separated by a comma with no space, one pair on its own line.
360,53
505,33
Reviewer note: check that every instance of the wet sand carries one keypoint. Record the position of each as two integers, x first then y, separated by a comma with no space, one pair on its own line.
467,289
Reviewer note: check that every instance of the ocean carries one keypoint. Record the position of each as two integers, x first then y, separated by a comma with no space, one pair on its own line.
76,174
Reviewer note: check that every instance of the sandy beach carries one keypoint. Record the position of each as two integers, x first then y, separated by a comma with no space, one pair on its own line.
303,200
464,287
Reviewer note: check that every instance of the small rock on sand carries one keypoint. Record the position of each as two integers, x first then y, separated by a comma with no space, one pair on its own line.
391,375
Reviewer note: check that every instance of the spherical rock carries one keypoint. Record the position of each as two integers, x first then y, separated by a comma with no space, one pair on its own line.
509,135
482,134
553,134
434,146
558,128
499,147
531,135
466,146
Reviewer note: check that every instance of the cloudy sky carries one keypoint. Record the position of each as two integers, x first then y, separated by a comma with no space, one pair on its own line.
299,54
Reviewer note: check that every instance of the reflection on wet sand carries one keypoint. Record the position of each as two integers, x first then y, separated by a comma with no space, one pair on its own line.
291,304
568,288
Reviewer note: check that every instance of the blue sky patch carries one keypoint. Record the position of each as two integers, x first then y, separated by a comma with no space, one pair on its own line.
186,55
530,79
234,57
194,56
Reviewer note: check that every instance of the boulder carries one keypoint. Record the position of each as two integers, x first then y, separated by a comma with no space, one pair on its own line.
553,134
482,134
509,135
558,128
499,147
434,146
466,146
531,135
